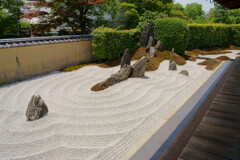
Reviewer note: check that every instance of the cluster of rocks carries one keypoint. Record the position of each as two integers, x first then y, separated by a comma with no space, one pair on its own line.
147,41
173,65
126,71
138,68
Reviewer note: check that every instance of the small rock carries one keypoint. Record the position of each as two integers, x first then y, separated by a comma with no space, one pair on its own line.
126,59
139,67
184,72
36,108
172,66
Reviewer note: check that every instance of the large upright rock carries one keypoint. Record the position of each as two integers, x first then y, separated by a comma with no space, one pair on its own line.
172,64
150,49
121,75
126,59
150,43
139,67
36,108
146,34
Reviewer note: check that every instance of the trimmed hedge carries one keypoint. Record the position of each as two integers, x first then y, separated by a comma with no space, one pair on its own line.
110,43
172,32
235,35
213,35
208,36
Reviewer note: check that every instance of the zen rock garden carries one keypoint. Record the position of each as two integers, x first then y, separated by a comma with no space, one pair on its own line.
37,107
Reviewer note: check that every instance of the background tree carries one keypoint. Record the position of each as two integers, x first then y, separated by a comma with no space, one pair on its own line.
178,7
221,14
148,17
107,9
194,11
10,11
78,14
178,12
133,10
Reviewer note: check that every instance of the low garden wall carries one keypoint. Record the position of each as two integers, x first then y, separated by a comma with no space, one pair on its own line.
23,58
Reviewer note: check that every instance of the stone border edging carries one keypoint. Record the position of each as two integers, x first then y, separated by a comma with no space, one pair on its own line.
161,140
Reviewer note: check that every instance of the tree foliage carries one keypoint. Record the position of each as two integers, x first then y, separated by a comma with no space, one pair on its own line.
78,14
178,12
148,17
134,10
221,14
9,16
194,10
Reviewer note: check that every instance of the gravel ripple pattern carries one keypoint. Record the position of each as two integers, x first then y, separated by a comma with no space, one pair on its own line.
87,125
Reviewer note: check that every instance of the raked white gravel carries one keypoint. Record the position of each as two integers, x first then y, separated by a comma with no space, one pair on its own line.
87,125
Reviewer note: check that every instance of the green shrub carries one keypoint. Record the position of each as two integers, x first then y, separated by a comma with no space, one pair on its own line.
235,35
172,32
208,35
110,43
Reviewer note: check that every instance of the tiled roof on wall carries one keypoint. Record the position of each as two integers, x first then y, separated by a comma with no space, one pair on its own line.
22,42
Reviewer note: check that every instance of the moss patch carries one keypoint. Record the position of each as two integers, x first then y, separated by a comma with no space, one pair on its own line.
97,87
211,64
197,52
154,62
192,59
232,47
107,64
76,67
139,53
179,60
152,65
224,58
